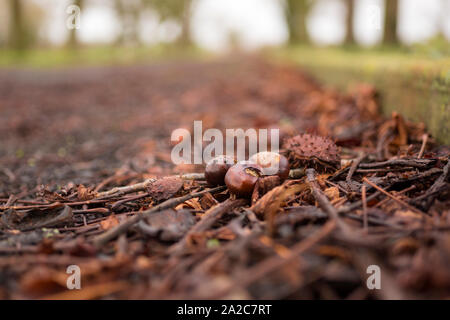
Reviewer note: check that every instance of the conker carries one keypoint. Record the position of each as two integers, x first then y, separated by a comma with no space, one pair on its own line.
272,163
241,179
217,168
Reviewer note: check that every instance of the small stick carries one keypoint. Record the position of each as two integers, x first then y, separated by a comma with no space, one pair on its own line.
273,263
424,143
416,163
323,201
364,201
391,196
120,191
208,219
397,193
43,206
354,166
356,204
123,227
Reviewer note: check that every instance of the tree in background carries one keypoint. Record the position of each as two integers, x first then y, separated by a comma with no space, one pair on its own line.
128,13
349,38
296,12
73,42
17,38
25,18
390,23
179,11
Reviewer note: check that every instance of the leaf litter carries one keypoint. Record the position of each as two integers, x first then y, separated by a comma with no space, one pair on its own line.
86,179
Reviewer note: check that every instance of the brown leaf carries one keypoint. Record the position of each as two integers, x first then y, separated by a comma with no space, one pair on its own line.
165,188
37,218
272,201
207,201
332,193
168,225
85,193
194,204
109,222
264,185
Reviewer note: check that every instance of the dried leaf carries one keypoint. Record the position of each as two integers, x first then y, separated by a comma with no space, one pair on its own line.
332,193
85,193
165,188
272,201
37,218
168,225
109,222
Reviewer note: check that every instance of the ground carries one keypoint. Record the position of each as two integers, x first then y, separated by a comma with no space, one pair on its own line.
69,136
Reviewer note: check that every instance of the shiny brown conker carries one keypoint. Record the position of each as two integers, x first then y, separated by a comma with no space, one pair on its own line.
272,163
217,168
241,179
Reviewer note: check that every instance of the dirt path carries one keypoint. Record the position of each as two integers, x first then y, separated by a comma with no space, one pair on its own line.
108,127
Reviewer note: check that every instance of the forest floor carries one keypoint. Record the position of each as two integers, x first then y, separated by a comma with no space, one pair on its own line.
69,137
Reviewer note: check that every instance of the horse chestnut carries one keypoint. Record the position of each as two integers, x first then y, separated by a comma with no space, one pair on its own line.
241,178
272,163
217,168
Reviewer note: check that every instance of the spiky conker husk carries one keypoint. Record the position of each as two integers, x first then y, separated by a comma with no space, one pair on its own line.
307,150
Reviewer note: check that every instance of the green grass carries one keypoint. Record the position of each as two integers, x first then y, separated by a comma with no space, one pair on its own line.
415,83
366,60
94,56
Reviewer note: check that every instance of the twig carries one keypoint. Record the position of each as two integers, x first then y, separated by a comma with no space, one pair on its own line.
50,205
192,176
403,203
357,204
123,227
354,166
382,202
276,262
424,143
431,193
364,201
323,201
208,219
416,163
120,191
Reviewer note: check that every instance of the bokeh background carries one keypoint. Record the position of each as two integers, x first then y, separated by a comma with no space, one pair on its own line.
219,25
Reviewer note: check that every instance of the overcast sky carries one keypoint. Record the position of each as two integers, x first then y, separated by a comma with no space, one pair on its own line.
255,22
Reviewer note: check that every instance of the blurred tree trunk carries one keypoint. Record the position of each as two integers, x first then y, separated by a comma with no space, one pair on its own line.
349,38
129,18
390,23
296,12
72,42
185,37
17,34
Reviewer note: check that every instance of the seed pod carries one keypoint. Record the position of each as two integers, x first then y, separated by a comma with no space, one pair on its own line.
307,150
217,168
272,163
241,179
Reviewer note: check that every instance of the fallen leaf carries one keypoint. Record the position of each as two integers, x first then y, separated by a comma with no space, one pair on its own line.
37,218
109,222
168,225
165,188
